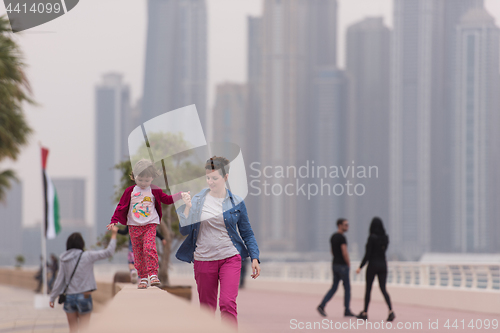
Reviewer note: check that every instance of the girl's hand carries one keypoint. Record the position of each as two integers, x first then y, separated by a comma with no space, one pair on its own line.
186,197
255,269
358,270
110,226
51,304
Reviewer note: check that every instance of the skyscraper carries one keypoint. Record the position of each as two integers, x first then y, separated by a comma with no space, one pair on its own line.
71,195
112,108
229,114
329,110
477,124
420,135
176,58
442,190
368,68
253,111
299,37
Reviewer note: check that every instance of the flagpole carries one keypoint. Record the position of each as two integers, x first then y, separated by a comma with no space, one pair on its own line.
44,237
43,227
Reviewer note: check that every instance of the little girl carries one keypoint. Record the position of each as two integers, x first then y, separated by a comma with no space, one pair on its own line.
140,209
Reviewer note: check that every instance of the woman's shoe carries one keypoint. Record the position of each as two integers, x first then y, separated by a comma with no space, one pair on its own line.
362,315
391,316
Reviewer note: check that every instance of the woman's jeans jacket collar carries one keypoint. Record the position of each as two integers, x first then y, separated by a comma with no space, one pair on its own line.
235,218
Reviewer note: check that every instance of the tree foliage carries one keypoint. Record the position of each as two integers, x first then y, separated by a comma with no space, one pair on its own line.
14,90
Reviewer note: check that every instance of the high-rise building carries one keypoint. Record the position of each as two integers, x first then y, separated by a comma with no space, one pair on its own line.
298,37
229,114
11,210
252,129
420,137
441,127
477,123
71,195
176,58
368,67
112,107
329,110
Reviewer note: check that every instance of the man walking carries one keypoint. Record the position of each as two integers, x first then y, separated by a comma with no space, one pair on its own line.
340,267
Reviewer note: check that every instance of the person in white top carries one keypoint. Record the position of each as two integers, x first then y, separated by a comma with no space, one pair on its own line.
218,243
140,209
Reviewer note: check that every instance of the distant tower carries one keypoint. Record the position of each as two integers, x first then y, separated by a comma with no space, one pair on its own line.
368,68
328,132
112,108
420,135
476,132
71,194
176,58
298,38
229,113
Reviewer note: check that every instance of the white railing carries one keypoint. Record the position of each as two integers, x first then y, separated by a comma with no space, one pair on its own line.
437,275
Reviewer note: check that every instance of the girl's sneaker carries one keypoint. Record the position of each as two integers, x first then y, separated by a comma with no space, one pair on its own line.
133,276
154,281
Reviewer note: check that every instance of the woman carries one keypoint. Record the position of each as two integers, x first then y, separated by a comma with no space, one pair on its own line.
214,244
78,305
377,265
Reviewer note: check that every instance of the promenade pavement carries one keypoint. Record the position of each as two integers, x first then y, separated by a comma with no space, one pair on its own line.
262,311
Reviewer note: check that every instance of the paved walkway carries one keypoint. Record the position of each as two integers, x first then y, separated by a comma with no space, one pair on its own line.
260,311
17,313
276,312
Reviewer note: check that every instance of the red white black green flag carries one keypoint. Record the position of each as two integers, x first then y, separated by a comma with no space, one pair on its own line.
52,226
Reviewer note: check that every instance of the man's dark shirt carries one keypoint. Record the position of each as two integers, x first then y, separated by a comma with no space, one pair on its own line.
336,241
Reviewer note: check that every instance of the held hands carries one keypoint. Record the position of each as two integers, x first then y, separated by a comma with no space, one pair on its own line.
186,197
114,229
255,269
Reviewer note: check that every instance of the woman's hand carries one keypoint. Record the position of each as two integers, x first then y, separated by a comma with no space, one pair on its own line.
358,270
255,269
186,197
51,304
114,230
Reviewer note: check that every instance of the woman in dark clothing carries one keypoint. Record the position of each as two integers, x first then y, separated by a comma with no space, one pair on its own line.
377,265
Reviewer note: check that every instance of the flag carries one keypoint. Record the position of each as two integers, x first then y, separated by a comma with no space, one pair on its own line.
52,226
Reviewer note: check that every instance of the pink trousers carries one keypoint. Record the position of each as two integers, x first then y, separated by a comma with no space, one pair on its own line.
144,247
208,274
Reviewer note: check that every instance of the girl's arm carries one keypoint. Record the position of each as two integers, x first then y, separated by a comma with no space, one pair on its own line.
170,199
121,211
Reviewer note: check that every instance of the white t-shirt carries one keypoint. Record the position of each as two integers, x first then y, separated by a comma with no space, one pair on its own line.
213,241
142,209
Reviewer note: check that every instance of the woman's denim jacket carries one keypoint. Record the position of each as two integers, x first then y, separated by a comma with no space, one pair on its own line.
235,214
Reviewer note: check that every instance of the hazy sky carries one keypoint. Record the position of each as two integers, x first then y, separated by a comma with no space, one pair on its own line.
66,58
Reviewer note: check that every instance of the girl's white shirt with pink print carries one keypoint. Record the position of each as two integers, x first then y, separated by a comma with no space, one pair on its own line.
142,207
